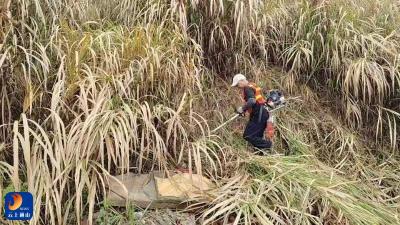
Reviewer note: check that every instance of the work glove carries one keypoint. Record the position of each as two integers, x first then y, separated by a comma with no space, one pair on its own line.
240,111
270,129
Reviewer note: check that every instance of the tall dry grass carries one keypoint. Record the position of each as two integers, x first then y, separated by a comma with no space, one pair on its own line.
93,88
349,49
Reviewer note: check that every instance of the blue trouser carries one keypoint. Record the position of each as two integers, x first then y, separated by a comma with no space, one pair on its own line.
254,133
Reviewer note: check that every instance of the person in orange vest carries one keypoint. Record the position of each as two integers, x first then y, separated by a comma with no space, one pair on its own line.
260,120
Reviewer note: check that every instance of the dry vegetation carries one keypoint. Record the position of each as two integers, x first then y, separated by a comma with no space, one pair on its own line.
97,87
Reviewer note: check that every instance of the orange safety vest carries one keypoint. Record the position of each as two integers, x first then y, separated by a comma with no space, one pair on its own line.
257,93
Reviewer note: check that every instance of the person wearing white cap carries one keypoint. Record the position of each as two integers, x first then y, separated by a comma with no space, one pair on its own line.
254,104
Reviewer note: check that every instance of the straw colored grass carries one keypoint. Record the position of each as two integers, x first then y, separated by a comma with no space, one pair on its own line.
97,88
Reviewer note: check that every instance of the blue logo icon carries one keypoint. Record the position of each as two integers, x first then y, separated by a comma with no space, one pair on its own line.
18,206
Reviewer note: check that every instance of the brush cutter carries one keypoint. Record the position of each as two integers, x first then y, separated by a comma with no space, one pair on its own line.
226,122
236,115
277,102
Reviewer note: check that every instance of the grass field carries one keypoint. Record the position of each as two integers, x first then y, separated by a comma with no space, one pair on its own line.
91,88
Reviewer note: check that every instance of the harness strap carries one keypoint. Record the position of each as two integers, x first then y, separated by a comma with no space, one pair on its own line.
257,94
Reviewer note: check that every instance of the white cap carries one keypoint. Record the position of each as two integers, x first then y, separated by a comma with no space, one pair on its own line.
238,77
